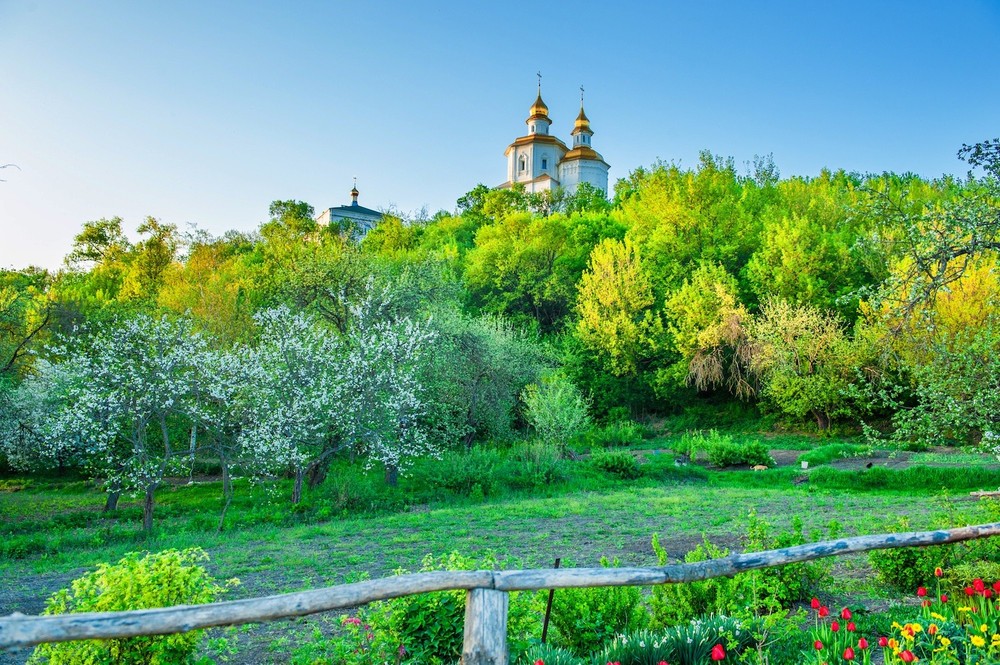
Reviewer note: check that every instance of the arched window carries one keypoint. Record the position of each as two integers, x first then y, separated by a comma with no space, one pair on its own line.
520,165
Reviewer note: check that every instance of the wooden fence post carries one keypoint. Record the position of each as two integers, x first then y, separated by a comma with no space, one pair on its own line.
485,627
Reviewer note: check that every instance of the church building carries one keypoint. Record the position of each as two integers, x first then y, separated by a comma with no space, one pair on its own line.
356,219
540,161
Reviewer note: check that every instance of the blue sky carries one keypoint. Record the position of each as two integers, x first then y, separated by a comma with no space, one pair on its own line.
204,112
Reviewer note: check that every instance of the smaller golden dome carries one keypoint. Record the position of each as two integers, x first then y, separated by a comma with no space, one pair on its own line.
582,123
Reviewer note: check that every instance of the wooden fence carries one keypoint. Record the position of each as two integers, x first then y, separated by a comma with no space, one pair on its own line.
485,641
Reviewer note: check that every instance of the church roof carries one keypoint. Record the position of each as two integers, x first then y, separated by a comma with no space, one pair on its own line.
582,123
535,138
357,210
583,152
538,111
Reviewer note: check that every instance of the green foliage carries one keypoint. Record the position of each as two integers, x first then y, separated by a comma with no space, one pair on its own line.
587,618
535,464
426,629
620,433
747,595
620,463
137,581
833,451
913,479
723,450
555,408
462,470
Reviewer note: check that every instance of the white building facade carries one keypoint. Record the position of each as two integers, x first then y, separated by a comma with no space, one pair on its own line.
540,161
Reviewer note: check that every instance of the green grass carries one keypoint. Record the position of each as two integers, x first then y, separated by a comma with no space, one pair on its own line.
833,451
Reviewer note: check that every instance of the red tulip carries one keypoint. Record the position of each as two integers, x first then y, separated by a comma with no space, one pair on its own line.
932,629
851,627
921,591
944,598
663,662
539,662
818,645
863,643
907,656
969,591
938,572
996,586
834,626
845,613
925,603
883,641
987,593
848,653
978,585
718,653
814,603
824,611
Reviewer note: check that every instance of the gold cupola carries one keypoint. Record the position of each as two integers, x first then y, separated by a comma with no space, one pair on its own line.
582,123
539,111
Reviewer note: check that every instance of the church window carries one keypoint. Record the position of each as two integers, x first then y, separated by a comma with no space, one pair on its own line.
545,163
521,164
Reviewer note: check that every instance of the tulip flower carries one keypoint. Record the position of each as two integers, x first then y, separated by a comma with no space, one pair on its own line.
932,629
718,652
814,603
883,642
845,613
539,662
824,611
969,591
851,627
818,645
938,572
907,656
834,626
848,653
921,591
862,644
978,585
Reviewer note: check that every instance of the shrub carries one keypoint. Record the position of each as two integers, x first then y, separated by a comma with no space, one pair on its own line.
460,471
136,582
425,629
722,450
622,433
619,463
535,464
832,451
555,408
907,568
586,618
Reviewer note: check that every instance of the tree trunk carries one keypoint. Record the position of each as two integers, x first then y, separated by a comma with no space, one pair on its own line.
227,490
297,490
822,420
147,508
111,504
391,475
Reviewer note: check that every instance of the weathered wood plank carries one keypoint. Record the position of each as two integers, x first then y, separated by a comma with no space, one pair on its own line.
485,639
20,630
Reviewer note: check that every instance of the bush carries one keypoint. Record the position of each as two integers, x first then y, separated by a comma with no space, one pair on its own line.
619,463
556,409
535,464
620,434
906,568
461,471
722,450
425,629
832,451
914,478
587,618
746,595
136,582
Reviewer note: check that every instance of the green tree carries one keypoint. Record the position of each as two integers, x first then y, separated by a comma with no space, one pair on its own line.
615,305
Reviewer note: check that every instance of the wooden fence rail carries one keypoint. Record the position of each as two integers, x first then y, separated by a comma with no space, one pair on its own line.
486,603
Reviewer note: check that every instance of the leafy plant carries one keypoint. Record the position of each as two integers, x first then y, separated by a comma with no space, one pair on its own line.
619,463
586,618
621,433
137,581
555,408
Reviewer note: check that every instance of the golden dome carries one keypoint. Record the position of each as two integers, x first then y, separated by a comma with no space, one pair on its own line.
539,109
582,123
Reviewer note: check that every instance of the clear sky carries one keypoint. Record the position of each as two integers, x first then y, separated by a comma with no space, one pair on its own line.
202,113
